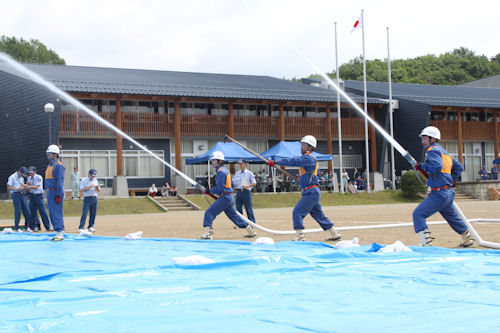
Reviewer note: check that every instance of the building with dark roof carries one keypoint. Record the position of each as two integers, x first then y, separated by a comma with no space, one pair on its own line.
487,82
178,115
467,117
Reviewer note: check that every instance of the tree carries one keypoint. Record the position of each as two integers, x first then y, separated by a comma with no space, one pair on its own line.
32,51
451,68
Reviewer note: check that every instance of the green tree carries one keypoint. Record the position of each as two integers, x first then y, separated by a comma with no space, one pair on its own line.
451,68
32,51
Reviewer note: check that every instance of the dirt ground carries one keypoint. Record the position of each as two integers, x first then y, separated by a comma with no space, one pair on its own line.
189,224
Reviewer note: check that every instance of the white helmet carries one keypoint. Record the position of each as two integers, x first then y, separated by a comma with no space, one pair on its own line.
310,140
53,149
217,155
431,131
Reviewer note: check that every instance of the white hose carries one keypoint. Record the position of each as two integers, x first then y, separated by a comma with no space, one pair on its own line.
478,238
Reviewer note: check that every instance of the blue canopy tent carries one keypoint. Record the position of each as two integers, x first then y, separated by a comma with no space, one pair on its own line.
232,153
287,149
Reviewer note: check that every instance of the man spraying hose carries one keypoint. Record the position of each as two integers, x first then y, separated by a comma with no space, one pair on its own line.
311,196
225,201
440,169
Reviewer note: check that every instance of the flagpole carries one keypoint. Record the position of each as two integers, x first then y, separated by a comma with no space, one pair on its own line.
393,166
339,122
365,104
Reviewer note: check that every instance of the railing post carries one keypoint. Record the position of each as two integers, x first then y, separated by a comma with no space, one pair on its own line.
230,129
495,133
177,135
460,137
328,128
119,140
373,138
281,123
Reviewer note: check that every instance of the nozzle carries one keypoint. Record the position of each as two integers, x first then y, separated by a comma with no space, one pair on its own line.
226,137
410,159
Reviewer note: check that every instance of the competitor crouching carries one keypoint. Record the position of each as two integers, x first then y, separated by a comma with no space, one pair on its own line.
311,196
225,201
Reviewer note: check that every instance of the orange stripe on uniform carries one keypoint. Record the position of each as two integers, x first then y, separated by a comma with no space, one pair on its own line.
447,161
228,181
48,173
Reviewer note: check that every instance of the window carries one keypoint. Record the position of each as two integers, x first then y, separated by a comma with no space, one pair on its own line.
244,110
143,106
471,116
136,163
129,106
489,117
451,116
187,108
218,109
200,109
437,115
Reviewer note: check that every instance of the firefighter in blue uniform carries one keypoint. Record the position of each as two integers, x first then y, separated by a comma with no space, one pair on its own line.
54,183
35,185
311,196
17,188
441,169
225,201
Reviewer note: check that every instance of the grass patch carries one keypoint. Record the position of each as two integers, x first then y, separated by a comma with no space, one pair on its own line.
104,207
278,200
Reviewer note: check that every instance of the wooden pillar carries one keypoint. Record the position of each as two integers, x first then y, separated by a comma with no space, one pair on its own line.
119,139
177,135
230,129
495,134
281,123
460,138
373,139
328,128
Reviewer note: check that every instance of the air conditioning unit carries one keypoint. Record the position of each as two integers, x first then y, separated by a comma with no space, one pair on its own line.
200,147
476,148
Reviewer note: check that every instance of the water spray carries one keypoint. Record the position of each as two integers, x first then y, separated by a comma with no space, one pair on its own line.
69,99
404,153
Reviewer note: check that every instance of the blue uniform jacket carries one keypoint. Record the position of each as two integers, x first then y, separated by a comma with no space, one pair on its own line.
54,177
442,168
222,181
308,168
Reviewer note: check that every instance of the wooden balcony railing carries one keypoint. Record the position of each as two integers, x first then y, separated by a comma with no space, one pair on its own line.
298,126
146,124
256,126
134,123
142,124
352,128
471,130
447,128
80,123
203,125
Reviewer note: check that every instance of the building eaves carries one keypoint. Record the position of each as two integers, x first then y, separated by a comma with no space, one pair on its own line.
446,96
183,84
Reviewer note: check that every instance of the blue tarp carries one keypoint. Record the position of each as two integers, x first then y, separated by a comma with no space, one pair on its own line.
288,149
106,284
232,153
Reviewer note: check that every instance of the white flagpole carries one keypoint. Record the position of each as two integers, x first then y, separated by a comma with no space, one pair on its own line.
393,166
366,105
339,123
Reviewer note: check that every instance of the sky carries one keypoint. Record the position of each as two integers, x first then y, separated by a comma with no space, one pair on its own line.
250,37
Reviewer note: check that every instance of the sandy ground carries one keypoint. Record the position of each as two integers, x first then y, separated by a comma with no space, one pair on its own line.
189,224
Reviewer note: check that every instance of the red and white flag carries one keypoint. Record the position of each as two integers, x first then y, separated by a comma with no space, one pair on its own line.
356,25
